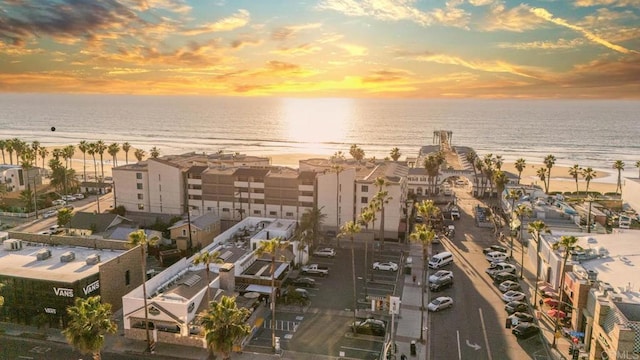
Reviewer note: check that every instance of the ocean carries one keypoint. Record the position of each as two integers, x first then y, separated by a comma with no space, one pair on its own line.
591,133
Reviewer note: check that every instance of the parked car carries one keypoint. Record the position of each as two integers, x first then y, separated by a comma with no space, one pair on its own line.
439,303
50,213
492,248
441,284
58,202
315,269
520,317
304,282
495,268
504,276
496,256
78,196
68,198
455,213
370,327
386,266
418,220
509,285
439,275
516,306
304,293
44,232
513,295
525,330
325,252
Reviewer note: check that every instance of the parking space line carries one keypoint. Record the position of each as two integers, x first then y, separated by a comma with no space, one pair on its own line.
484,332
358,349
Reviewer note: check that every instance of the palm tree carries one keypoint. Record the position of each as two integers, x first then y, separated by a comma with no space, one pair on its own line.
588,174
43,152
3,146
155,152
637,164
513,195
311,222
366,217
520,165
568,243
383,198
478,167
619,165
126,147
139,154
395,154
549,161
27,158
337,169
271,247
8,145
139,238
67,153
35,145
83,147
498,161
574,171
542,175
113,150
207,258
536,228
100,148
91,150
471,159
224,324
424,235
356,152
350,229
89,321
431,165
500,179
521,211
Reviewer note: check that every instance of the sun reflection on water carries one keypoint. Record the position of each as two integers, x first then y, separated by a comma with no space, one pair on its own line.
317,124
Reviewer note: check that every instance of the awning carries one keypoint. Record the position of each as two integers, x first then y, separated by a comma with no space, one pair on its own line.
262,289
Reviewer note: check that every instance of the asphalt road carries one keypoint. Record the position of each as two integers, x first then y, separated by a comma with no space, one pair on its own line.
475,327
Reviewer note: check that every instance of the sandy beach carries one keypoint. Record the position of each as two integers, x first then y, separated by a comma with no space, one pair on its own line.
604,182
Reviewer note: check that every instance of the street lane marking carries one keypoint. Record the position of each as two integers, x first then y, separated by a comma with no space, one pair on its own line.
484,332
358,349
459,350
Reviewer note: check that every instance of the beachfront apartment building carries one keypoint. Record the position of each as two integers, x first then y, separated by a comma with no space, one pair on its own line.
15,178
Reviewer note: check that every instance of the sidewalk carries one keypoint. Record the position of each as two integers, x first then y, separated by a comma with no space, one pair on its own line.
528,284
408,328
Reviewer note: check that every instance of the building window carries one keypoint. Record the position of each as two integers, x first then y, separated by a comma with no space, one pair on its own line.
140,196
225,209
139,186
273,213
364,200
140,206
257,212
127,278
138,176
184,232
365,188
289,214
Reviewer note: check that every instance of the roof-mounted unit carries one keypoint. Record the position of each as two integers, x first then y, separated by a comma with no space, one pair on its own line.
69,256
93,259
43,254
12,245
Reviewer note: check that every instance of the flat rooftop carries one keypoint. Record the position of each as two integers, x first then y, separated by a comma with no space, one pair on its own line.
25,264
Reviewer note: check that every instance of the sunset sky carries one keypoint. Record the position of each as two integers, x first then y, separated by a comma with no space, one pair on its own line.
323,48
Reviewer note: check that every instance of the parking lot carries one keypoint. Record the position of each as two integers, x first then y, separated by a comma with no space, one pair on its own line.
324,327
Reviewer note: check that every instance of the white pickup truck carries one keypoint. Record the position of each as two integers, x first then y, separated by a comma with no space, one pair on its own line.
315,269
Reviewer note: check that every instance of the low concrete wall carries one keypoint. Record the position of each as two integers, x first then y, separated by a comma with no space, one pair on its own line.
167,338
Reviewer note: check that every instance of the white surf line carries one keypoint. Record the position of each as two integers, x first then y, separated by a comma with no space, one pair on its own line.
459,350
484,332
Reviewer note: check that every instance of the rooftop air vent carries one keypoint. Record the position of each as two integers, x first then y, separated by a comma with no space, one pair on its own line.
43,254
12,245
93,259
69,256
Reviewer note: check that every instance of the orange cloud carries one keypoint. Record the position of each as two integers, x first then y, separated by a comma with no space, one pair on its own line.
303,49
235,21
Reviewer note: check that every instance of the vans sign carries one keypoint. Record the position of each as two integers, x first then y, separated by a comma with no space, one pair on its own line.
63,292
91,287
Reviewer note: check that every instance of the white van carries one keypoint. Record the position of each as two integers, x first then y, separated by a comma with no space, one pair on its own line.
439,260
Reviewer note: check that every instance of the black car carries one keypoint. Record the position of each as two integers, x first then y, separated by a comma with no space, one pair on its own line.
521,317
525,330
371,327
441,284
504,276
493,248
304,282
516,306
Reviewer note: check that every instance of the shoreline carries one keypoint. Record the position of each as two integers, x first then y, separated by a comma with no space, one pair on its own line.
604,182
